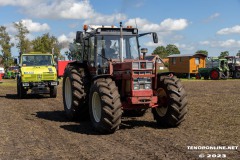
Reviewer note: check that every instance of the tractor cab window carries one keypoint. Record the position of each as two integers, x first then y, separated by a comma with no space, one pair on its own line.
238,61
108,47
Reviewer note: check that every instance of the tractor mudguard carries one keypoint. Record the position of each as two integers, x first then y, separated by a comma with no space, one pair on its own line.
165,73
101,76
77,63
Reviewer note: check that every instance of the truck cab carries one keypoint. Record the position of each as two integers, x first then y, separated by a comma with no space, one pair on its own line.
37,72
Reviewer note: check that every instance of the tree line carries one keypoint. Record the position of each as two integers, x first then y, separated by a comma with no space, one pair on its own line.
170,49
45,43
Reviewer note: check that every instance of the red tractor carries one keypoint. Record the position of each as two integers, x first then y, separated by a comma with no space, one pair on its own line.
111,78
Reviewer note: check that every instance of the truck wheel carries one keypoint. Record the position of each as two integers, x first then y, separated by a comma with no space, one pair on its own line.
215,75
20,90
105,105
75,93
172,102
237,74
53,92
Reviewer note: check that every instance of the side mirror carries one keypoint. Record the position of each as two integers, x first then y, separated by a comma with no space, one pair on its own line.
79,37
155,37
15,61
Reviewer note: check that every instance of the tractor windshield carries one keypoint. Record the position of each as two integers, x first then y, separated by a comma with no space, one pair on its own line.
108,47
238,61
37,60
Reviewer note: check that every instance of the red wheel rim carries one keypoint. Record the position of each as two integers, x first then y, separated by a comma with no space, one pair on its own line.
214,74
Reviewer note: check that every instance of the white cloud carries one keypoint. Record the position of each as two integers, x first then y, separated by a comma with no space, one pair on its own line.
99,19
166,25
151,44
19,2
213,16
230,43
66,38
184,46
234,29
35,26
31,26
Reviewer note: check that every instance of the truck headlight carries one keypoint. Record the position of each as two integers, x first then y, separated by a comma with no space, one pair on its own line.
25,84
54,83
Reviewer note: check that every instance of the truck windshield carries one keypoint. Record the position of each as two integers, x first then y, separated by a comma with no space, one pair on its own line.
109,47
37,60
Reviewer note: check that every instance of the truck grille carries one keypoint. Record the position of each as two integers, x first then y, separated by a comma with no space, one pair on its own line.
39,77
48,77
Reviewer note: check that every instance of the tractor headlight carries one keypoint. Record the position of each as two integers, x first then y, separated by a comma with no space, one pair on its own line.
148,86
135,65
135,86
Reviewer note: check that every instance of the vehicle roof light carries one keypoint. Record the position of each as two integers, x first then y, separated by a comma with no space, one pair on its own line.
85,27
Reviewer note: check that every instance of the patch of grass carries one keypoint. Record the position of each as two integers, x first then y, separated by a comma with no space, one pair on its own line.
8,82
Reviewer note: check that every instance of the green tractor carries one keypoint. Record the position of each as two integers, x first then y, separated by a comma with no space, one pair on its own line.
11,72
215,69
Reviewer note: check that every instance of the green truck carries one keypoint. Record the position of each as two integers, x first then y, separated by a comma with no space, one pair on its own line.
215,69
37,72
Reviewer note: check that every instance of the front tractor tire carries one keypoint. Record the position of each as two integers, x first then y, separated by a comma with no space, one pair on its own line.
75,93
105,106
172,102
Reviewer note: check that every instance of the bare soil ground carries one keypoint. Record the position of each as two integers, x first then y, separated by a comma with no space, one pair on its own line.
36,128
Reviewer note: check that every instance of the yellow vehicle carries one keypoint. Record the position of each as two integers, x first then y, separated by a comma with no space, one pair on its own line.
37,73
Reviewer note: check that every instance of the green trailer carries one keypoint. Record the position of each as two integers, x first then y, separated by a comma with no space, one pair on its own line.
215,69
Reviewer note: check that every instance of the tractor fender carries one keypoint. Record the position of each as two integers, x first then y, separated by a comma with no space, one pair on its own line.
101,76
77,63
165,73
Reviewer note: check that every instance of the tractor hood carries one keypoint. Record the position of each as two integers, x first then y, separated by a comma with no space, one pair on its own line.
38,73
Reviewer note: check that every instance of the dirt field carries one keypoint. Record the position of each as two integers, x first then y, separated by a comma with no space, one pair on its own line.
36,128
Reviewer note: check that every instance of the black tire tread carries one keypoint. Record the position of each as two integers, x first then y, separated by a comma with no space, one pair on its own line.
111,105
79,109
177,102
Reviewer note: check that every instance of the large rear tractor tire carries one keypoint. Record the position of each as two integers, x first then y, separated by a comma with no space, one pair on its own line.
172,102
53,92
237,74
105,106
75,91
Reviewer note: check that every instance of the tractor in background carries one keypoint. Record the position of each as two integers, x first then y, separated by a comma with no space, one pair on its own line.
215,69
11,72
234,66
112,78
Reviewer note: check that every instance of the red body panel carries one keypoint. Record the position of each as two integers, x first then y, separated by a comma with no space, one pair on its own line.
134,99
61,67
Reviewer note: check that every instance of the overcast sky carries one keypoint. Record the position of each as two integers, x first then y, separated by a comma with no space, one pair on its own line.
212,25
